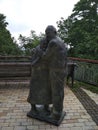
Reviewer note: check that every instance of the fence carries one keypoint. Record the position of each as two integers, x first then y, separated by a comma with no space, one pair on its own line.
15,68
15,59
87,70
18,67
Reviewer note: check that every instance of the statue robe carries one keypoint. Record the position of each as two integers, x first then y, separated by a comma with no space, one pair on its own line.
40,91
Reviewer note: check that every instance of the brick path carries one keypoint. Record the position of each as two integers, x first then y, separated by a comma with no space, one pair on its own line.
13,109
88,103
94,96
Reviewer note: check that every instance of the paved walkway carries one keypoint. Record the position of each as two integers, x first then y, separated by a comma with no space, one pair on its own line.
13,109
93,96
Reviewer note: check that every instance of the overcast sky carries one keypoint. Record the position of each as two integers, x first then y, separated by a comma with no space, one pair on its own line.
26,15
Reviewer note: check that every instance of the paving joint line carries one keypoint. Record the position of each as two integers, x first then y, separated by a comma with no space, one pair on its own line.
89,104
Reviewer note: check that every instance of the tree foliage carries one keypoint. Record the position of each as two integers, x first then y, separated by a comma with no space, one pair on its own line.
8,45
27,43
80,29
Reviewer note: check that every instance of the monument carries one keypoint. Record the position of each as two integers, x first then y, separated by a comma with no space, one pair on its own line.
49,61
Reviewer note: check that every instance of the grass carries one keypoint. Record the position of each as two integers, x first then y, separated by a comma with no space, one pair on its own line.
92,88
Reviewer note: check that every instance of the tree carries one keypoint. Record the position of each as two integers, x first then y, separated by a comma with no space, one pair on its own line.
80,29
8,45
27,43
3,23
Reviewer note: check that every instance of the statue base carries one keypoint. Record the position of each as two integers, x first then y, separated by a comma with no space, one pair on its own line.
42,116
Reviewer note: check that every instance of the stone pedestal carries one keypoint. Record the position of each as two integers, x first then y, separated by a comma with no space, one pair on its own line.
44,116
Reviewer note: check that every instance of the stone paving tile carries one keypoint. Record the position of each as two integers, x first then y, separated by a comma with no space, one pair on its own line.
14,107
93,96
89,104
8,128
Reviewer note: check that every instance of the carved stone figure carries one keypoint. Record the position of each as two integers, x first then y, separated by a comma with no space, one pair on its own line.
56,54
40,92
49,73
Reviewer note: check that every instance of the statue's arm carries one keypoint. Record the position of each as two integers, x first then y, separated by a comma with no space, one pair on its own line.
36,54
49,51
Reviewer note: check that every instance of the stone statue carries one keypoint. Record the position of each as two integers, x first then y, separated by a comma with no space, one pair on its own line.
40,92
47,80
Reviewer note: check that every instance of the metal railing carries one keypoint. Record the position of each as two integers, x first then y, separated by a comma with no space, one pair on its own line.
15,58
86,70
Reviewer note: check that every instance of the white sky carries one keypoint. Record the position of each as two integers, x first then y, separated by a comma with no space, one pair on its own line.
26,15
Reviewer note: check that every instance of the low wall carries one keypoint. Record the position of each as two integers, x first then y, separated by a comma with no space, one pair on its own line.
18,68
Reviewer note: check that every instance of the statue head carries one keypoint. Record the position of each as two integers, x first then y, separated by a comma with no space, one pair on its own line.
50,32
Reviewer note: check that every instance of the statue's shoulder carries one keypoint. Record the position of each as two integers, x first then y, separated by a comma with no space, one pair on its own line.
54,40
58,40
37,47
52,43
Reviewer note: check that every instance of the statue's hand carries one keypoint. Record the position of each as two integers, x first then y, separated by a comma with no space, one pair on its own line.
33,51
40,52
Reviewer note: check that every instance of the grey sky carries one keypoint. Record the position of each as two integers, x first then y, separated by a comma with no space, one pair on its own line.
26,15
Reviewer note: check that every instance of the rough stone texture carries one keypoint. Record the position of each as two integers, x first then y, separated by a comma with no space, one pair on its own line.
92,95
88,103
14,107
